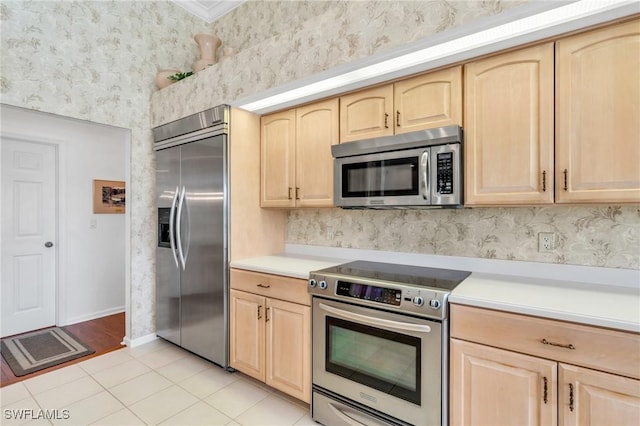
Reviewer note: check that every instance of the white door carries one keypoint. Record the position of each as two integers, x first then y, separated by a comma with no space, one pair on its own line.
29,250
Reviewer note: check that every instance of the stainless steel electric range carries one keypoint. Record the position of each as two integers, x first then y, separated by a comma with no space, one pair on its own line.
380,353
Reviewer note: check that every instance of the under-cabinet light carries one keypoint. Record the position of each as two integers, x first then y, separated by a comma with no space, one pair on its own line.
532,22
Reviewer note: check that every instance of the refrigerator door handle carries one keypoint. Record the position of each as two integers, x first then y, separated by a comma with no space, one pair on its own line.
172,223
179,228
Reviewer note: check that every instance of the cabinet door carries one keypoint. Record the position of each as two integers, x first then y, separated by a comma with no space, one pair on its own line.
589,397
509,128
316,131
597,110
366,114
289,348
246,333
277,159
496,387
428,101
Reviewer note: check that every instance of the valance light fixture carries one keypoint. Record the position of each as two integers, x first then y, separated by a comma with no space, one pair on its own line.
531,22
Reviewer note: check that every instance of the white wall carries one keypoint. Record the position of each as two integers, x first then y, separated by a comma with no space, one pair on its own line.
92,262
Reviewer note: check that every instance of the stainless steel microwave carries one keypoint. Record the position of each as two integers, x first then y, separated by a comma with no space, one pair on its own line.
414,170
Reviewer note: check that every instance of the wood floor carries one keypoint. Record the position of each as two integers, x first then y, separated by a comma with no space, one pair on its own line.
102,334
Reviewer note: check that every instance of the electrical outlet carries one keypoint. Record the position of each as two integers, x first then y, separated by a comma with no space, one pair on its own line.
330,234
546,241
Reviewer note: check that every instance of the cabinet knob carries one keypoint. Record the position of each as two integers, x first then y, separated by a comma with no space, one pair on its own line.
566,179
398,118
386,120
544,181
290,192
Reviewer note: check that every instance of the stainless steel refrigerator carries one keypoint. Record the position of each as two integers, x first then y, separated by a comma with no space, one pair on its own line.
192,255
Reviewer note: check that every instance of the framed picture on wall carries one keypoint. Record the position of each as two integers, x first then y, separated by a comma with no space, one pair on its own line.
109,196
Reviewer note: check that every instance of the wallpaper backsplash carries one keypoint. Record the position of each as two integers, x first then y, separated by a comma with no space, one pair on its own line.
607,236
96,60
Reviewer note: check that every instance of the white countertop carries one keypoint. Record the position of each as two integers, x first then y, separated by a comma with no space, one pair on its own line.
599,305
612,306
296,266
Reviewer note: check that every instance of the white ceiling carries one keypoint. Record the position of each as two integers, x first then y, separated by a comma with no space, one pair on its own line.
209,10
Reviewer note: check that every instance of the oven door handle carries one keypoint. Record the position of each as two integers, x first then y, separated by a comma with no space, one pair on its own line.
344,417
396,325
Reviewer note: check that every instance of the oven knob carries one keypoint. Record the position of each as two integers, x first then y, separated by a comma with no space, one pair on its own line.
418,301
312,283
434,303
322,285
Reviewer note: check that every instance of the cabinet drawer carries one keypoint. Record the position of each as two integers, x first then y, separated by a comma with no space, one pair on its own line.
274,286
603,349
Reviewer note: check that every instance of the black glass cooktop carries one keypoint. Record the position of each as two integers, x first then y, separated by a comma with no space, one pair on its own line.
414,276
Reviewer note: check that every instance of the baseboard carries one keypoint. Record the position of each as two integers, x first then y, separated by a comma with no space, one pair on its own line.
132,343
91,316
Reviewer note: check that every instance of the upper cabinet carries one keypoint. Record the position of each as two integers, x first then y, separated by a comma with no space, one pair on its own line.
514,152
422,102
597,115
508,127
366,114
296,161
428,101
277,159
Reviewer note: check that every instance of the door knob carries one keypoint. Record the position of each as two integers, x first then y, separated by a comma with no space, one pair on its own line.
48,244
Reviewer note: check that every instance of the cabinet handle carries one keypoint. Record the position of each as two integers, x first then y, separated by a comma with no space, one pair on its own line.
398,118
263,286
544,181
267,316
566,181
571,396
545,390
290,192
297,193
560,345
259,311
386,120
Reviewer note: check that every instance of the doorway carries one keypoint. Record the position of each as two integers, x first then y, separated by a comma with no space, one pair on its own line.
92,248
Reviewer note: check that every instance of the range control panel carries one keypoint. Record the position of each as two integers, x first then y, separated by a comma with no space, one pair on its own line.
414,300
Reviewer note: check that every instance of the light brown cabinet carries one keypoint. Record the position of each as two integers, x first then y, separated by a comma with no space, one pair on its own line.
270,331
597,110
514,369
417,103
508,126
491,386
541,128
296,162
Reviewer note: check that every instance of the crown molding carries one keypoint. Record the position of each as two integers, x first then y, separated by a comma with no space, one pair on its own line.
208,10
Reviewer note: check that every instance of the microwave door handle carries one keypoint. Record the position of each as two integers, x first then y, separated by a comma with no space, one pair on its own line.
424,175
172,224
396,325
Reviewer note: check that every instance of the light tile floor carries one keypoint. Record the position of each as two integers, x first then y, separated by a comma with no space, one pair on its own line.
156,383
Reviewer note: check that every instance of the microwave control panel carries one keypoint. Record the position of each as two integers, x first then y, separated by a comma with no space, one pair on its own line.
445,173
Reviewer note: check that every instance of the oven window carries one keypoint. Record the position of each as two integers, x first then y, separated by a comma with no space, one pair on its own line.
380,359
398,176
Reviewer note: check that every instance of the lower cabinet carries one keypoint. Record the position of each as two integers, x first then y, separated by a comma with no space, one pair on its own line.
493,384
270,339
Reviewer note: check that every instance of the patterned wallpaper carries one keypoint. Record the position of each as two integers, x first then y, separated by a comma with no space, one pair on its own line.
607,236
96,60
282,41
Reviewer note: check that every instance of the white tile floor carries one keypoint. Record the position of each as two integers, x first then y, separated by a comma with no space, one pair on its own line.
156,383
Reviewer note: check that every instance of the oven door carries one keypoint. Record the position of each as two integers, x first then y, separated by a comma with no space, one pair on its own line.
394,178
386,361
